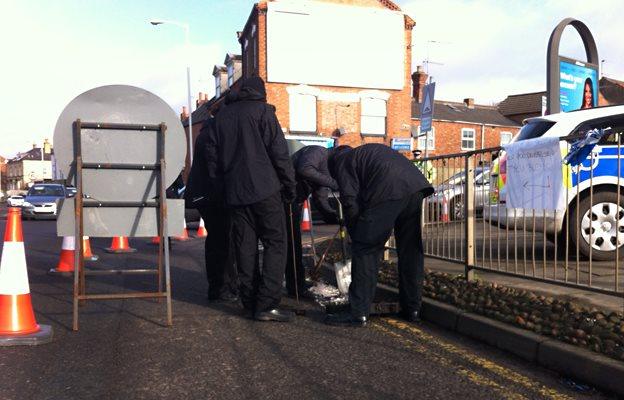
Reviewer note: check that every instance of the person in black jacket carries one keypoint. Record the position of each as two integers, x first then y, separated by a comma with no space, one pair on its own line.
204,191
258,178
312,177
380,190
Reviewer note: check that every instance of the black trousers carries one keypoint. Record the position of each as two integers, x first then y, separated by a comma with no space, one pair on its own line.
220,268
260,290
369,234
290,270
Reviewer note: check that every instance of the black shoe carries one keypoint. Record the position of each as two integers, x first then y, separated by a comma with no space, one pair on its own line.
224,297
345,319
275,315
410,316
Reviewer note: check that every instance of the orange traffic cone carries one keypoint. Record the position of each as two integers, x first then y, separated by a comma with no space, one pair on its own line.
66,261
120,245
184,236
17,318
305,221
86,250
445,210
201,231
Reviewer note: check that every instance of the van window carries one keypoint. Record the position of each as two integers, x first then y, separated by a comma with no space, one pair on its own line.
532,130
616,123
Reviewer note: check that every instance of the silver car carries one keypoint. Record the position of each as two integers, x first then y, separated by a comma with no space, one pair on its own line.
42,201
448,198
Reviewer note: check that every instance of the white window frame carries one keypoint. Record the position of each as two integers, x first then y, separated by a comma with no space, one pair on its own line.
505,133
430,137
373,116
302,112
473,139
217,86
230,74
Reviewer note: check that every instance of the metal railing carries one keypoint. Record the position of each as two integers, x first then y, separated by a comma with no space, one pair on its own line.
578,246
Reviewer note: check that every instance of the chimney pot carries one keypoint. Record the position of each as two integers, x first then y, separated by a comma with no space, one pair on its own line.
419,80
469,102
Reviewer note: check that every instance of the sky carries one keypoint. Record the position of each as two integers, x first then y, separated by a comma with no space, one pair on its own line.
52,51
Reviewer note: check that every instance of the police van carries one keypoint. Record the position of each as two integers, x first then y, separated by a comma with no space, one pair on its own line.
596,220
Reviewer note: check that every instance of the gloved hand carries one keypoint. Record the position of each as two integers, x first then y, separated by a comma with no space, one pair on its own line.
289,194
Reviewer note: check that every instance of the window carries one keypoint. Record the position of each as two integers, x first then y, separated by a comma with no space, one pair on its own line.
217,86
230,72
302,109
430,137
505,137
373,120
467,139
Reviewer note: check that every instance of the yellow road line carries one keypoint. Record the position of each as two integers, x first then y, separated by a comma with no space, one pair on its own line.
472,376
482,362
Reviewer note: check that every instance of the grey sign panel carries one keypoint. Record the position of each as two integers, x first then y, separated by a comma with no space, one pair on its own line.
426,108
121,221
120,104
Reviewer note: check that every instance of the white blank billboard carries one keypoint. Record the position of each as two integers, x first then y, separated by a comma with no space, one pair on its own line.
317,43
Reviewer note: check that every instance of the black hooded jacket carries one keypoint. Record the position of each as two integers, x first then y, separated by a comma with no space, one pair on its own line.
205,181
313,177
372,174
252,150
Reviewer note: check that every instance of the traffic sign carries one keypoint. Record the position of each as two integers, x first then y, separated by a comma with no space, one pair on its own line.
426,108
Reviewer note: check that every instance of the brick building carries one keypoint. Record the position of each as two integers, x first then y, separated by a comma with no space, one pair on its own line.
356,86
27,168
526,105
459,127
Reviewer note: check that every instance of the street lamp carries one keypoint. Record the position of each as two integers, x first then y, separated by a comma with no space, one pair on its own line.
187,33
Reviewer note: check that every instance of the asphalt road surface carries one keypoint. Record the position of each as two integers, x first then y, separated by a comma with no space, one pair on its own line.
123,350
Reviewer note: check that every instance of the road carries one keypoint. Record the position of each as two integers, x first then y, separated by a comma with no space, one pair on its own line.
123,351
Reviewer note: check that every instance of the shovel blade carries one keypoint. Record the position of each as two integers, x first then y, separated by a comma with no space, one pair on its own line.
343,276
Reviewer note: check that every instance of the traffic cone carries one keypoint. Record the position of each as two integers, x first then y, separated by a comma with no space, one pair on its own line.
201,231
445,210
66,261
305,221
86,250
184,236
17,318
120,245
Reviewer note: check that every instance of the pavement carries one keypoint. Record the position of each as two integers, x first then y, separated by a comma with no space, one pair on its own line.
123,350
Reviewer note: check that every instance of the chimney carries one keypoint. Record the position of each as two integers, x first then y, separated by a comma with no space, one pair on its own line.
469,102
34,145
184,114
47,148
201,99
419,80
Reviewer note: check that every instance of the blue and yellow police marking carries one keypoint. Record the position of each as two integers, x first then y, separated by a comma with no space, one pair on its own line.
415,339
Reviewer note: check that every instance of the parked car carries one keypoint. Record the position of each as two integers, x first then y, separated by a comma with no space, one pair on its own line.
42,201
449,195
15,201
601,216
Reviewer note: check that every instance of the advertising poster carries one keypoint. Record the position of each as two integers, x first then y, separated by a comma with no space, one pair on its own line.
578,85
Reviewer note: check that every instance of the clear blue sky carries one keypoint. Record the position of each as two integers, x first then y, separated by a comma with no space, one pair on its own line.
54,50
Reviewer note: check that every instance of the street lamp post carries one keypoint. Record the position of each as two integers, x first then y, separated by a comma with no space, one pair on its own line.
187,42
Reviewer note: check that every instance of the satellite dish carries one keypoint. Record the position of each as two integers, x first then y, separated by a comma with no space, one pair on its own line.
119,104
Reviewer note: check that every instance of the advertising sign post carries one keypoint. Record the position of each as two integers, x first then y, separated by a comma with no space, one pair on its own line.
571,84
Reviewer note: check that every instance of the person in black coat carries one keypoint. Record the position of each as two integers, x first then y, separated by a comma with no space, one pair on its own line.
204,191
258,178
380,190
312,177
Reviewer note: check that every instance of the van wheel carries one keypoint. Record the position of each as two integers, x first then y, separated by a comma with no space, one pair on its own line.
601,224
456,209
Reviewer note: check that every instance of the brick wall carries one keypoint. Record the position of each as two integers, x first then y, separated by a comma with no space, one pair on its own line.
448,136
